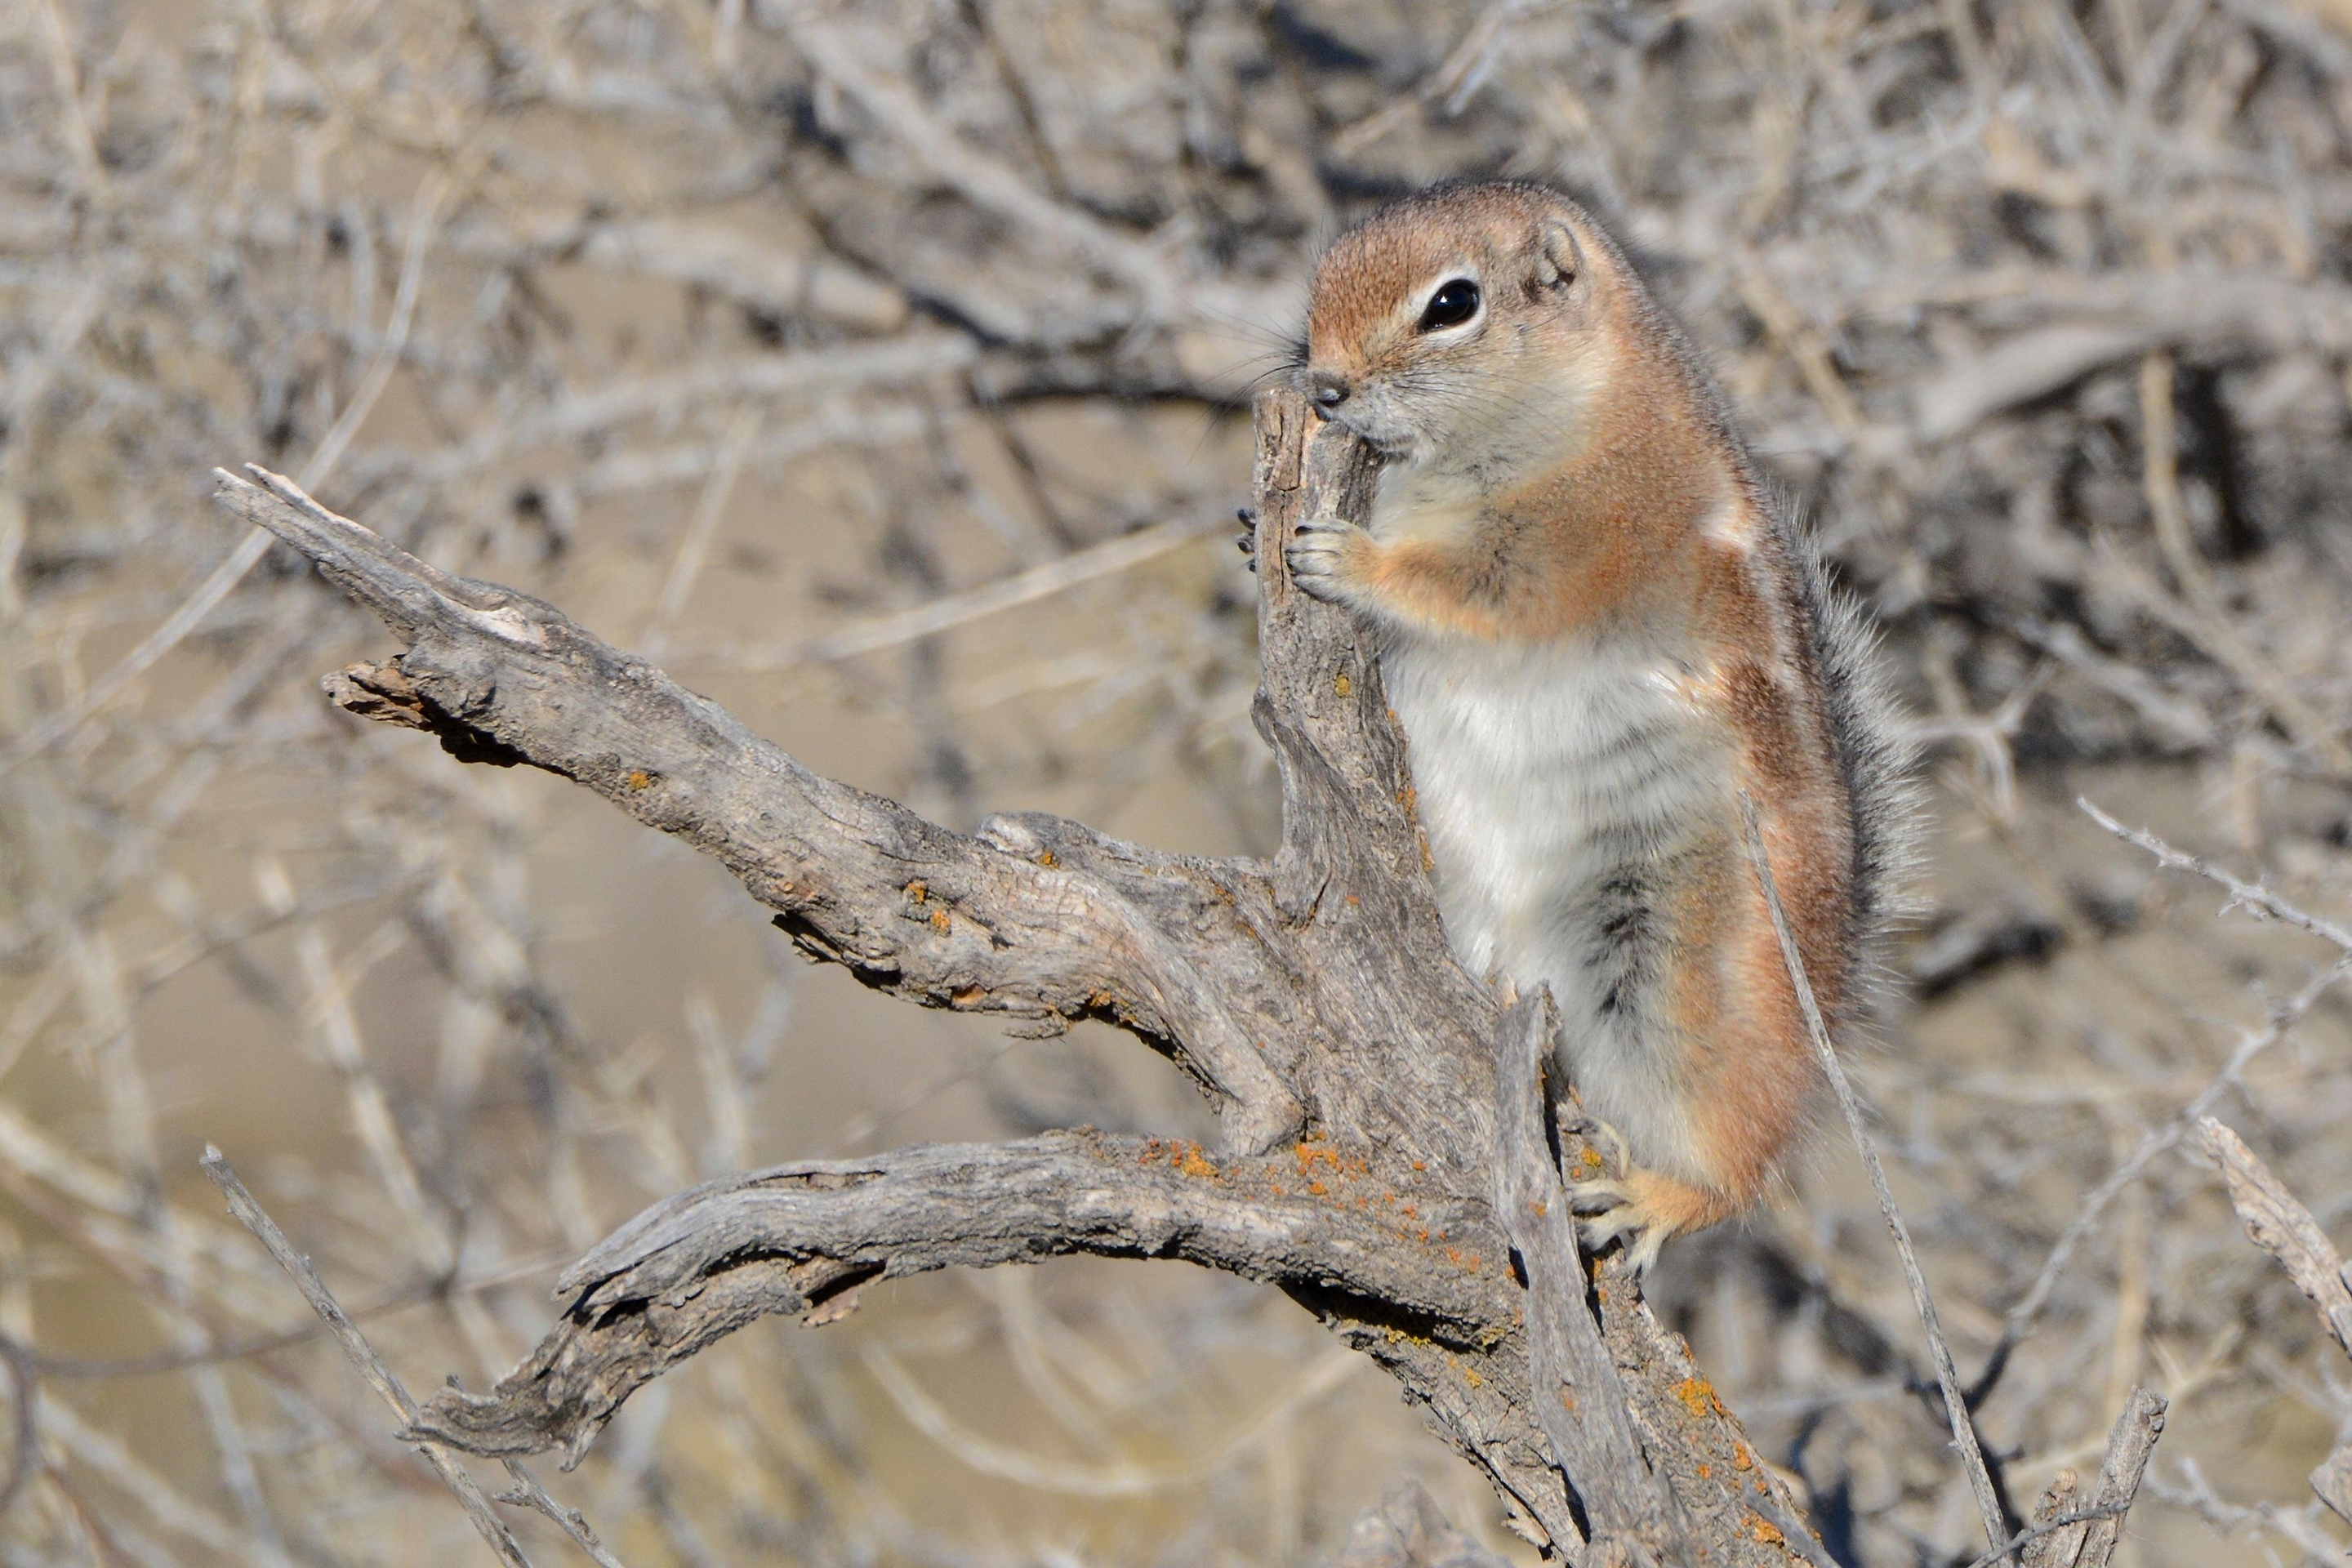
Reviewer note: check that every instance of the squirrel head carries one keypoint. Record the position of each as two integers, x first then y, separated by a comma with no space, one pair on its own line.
1467,330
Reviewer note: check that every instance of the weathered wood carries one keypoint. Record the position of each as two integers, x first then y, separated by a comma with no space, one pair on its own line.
1044,921
2068,1532
805,1237
1314,997
2120,1472
2279,1224
1572,1382
1734,1509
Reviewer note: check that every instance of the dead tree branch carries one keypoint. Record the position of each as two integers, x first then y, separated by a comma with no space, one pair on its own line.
1313,996
2062,1537
380,1377
1578,1400
806,1237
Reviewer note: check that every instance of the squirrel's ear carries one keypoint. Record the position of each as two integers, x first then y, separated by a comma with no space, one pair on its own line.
1559,259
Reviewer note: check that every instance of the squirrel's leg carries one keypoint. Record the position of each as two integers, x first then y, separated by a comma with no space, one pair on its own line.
1736,1053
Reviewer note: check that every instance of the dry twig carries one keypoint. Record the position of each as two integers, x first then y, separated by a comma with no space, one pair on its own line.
1948,1378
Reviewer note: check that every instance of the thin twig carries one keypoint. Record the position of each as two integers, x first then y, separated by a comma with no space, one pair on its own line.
2035,1533
2249,895
529,1493
1948,1378
362,1355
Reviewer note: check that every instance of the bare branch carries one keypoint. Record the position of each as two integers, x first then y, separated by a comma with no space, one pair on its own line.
2281,1227
807,1237
2247,895
2129,1447
1729,1497
2062,1536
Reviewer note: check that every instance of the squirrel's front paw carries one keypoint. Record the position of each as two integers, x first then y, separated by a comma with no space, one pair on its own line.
1323,556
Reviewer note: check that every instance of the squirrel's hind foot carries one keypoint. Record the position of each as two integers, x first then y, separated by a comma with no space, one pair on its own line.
1617,1201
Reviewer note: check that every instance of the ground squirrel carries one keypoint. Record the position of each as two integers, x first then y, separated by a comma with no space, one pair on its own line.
1597,630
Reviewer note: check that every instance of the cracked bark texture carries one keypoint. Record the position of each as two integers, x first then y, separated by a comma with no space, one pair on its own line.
1378,1166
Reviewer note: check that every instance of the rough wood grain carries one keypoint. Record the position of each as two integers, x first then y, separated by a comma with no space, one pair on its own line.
2120,1472
1578,1398
806,1237
1313,997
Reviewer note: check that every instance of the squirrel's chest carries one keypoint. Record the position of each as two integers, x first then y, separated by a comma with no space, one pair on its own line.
1543,771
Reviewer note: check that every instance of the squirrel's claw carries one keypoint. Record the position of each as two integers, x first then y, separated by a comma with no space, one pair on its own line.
1609,1211
1246,540
1610,1197
1616,1200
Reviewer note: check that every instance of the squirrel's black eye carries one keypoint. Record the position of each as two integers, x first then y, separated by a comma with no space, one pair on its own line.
1451,306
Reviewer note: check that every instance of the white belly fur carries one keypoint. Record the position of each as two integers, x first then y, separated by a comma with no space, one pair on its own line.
1550,778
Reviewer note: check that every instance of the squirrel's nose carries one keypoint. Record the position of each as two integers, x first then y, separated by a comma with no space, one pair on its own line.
1326,389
